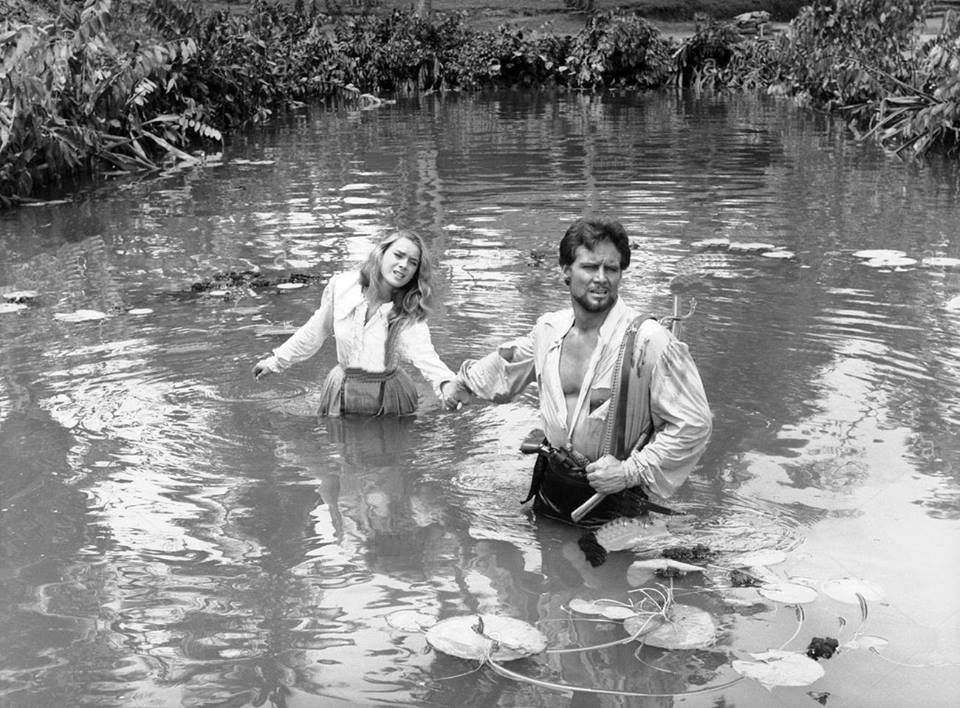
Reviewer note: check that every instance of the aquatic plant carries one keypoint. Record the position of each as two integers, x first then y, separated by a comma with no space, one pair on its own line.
618,50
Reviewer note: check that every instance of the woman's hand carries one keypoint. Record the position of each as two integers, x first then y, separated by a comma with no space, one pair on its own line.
260,369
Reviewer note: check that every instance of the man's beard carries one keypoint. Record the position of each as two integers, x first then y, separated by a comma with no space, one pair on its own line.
592,306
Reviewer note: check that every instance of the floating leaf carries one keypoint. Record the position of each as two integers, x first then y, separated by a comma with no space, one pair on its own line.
608,609
751,247
298,264
846,589
7,307
289,286
665,563
20,295
139,311
411,620
640,625
953,304
788,593
501,638
779,253
755,559
865,642
617,612
273,330
685,627
584,607
893,262
941,262
780,668
218,293
80,316
873,253
711,243
623,533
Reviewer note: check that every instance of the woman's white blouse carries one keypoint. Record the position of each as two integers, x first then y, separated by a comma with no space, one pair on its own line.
360,345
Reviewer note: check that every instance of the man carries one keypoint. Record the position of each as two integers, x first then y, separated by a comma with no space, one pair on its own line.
637,429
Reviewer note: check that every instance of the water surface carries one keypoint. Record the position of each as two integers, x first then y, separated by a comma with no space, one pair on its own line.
173,533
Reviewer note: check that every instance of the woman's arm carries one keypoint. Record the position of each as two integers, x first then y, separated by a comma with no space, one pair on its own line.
303,343
416,346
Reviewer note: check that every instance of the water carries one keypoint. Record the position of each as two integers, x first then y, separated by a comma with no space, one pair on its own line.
175,534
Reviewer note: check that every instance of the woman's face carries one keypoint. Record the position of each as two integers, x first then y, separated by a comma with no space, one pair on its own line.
400,263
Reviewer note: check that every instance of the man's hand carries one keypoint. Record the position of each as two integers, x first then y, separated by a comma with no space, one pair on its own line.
454,394
607,475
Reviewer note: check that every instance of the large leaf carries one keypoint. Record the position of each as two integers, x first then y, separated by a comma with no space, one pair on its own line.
846,589
621,534
788,593
480,637
685,627
780,668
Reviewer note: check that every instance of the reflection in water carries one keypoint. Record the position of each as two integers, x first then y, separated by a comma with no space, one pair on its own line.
173,533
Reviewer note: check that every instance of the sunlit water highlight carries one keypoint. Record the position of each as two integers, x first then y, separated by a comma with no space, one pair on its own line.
174,533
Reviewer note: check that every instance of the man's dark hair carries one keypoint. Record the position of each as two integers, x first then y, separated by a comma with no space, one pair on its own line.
590,232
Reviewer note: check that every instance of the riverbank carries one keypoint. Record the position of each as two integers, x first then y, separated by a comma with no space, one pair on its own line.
139,86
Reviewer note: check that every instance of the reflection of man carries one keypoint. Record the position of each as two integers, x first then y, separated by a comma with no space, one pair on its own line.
639,429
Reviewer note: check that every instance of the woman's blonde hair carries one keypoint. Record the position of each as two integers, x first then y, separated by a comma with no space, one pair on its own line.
411,303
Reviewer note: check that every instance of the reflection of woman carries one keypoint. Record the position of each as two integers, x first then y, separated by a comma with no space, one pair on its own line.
377,316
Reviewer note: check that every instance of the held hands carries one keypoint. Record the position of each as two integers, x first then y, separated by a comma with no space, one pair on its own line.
260,369
607,475
454,394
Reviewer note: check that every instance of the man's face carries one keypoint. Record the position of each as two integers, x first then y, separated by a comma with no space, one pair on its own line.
595,276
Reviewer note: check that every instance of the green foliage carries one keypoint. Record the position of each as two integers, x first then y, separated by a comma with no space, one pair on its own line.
843,52
81,93
623,50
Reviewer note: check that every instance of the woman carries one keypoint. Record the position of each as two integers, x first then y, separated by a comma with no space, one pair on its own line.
377,316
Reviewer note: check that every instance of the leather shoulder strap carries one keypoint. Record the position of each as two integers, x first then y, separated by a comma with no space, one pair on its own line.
614,430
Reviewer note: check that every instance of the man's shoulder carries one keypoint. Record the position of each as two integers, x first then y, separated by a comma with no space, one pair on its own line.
552,321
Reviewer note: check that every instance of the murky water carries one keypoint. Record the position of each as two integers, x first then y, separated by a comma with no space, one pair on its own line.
175,534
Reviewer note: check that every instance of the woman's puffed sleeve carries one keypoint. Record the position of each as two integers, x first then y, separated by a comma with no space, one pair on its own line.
305,342
416,346
501,375
682,424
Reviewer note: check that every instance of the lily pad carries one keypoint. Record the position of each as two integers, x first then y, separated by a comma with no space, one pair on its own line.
584,607
20,295
7,307
686,627
411,620
751,247
780,668
479,637
846,589
788,593
892,262
754,559
80,316
872,253
273,330
711,243
865,642
621,534
665,563
941,262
